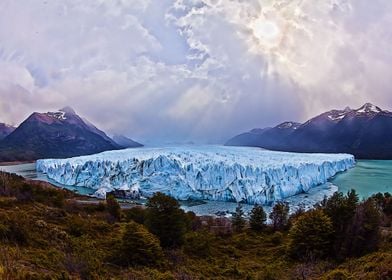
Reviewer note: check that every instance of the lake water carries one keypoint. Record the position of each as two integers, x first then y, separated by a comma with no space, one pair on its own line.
367,177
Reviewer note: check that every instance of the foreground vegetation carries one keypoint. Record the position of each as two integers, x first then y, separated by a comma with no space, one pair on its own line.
46,233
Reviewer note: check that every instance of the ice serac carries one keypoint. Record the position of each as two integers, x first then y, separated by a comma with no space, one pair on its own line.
239,174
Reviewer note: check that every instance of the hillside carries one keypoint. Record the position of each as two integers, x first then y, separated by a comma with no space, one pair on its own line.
46,233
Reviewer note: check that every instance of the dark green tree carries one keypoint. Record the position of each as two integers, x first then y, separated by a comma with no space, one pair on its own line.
257,218
341,209
279,215
165,219
238,220
113,207
362,235
139,247
310,236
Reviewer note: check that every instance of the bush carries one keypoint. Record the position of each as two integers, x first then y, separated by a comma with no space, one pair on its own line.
76,226
310,236
113,207
136,214
337,274
139,246
277,238
198,244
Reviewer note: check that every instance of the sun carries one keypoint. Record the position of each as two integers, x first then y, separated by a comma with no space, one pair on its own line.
266,32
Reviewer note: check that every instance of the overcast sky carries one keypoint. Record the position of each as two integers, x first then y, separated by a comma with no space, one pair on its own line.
193,70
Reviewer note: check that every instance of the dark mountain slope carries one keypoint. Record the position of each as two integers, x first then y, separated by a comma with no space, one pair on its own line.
365,132
54,135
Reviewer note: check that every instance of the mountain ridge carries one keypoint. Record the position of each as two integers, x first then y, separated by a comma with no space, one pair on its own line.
365,132
58,134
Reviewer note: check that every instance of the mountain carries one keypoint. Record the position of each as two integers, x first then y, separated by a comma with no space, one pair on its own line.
365,132
126,142
5,130
58,134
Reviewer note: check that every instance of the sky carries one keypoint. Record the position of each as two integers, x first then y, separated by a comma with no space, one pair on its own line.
162,71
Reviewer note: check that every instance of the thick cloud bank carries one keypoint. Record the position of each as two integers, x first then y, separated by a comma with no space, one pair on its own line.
199,70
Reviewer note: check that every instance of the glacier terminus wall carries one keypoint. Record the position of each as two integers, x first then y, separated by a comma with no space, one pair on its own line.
238,174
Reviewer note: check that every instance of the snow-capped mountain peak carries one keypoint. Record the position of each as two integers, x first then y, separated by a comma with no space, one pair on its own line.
337,115
292,125
57,115
369,108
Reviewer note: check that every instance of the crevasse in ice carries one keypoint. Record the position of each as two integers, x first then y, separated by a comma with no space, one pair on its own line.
239,174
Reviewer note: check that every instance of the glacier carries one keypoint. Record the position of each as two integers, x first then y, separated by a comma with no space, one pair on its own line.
220,173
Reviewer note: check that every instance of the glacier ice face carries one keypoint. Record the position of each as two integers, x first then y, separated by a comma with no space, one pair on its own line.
238,174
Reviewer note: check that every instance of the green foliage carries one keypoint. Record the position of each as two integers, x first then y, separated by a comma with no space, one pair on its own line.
310,236
76,226
136,214
279,216
362,235
341,210
165,219
384,201
198,243
113,207
41,239
257,218
277,238
337,274
139,247
238,220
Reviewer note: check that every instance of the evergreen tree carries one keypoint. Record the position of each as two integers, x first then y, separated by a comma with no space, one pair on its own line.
257,218
341,209
362,235
279,215
310,236
238,220
165,219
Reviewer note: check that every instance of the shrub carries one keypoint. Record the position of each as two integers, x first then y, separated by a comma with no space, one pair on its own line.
136,214
76,226
310,236
139,246
113,207
277,238
198,243
337,274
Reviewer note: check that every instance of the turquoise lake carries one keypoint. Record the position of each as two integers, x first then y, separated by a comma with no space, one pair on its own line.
367,177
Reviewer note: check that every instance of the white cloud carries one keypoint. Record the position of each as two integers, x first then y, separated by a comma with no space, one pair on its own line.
192,69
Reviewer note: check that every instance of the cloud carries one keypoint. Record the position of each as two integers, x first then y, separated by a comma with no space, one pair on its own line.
201,70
